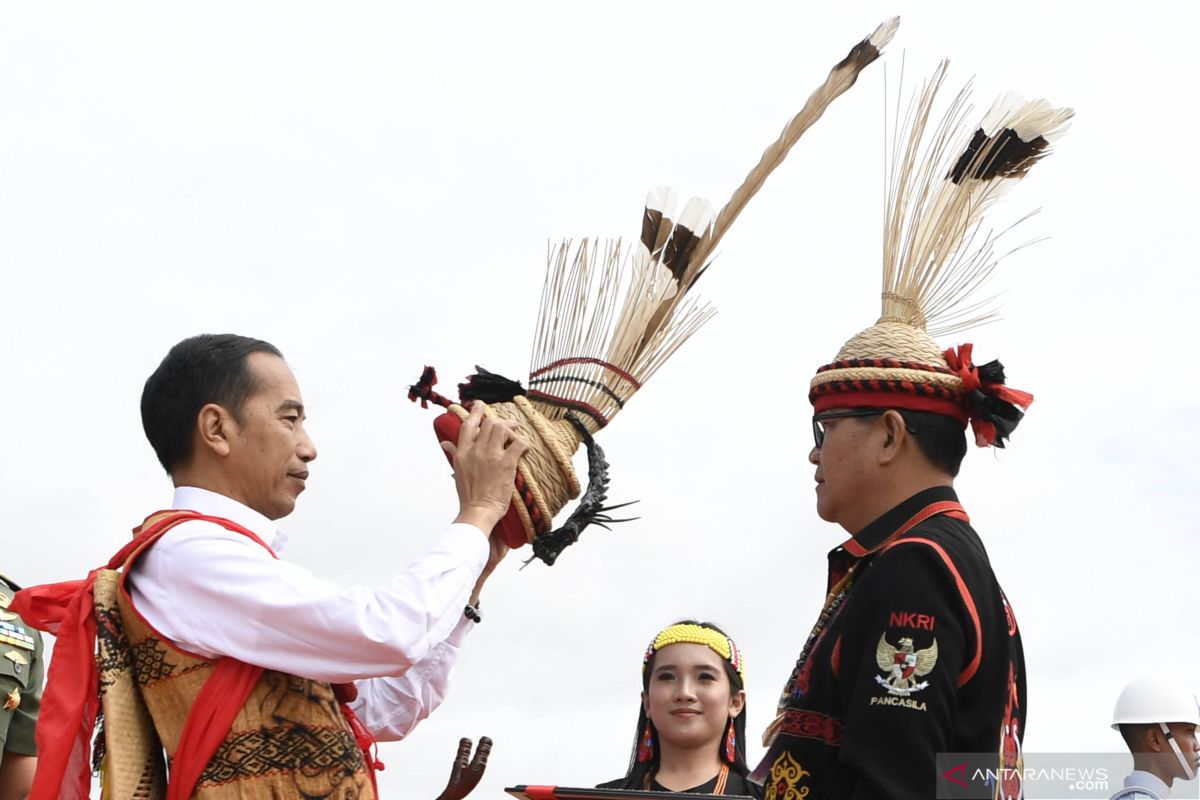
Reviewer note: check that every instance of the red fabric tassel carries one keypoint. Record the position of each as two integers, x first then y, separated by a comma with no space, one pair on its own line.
985,432
365,741
71,699
345,693
1008,395
960,364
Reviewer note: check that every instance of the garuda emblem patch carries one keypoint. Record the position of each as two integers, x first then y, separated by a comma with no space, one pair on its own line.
903,666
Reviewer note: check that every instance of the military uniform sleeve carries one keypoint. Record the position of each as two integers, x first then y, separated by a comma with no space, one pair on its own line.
906,640
20,699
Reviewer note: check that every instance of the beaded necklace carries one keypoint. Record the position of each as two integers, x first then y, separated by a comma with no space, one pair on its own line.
833,602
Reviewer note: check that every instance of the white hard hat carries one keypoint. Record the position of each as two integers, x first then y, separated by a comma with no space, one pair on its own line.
1147,701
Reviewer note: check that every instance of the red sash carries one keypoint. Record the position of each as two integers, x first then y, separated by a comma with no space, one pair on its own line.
71,699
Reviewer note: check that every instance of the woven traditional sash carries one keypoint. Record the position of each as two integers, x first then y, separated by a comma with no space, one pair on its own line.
232,729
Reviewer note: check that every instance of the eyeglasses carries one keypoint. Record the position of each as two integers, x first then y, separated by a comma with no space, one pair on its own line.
819,429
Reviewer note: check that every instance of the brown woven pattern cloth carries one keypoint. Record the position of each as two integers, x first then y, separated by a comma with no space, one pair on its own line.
289,740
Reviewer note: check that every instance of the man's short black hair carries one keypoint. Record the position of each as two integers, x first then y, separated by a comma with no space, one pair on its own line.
942,439
209,368
1134,734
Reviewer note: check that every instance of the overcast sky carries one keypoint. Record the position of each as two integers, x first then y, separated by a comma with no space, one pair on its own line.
371,187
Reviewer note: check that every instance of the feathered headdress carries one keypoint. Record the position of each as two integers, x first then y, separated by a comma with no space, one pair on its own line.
603,331
936,255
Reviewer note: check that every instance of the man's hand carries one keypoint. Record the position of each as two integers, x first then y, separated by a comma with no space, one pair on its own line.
465,776
485,464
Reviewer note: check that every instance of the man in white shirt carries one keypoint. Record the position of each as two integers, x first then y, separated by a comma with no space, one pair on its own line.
1157,718
208,611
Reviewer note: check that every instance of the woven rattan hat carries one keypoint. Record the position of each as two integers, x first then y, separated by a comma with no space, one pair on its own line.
936,255
604,330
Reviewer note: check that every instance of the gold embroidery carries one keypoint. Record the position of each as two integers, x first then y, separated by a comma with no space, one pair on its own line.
786,772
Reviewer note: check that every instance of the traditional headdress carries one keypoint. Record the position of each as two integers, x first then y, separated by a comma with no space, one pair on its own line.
694,633
936,254
603,332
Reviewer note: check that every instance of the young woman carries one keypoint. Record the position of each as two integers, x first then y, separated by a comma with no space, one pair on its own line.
691,731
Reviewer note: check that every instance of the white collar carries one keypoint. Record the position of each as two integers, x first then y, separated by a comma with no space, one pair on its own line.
1148,780
193,498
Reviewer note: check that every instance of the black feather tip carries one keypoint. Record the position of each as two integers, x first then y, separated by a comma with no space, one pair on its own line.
1004,155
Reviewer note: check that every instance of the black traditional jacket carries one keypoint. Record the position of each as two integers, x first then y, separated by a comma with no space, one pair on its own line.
916,653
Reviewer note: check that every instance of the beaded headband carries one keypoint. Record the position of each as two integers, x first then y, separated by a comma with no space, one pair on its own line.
686,633
943,179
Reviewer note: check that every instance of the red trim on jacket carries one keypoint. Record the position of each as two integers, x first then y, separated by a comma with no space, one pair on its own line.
967,599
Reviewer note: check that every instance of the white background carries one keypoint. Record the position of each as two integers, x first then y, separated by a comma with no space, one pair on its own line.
371,188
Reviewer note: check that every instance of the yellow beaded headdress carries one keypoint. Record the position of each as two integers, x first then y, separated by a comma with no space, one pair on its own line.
604,331
690,633
943,179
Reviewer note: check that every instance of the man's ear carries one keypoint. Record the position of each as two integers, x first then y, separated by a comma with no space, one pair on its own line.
895,432
214,429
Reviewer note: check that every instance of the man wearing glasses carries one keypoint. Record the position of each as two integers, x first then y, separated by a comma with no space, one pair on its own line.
916,651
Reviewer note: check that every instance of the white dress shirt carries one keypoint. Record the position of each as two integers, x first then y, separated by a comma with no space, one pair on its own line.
214,592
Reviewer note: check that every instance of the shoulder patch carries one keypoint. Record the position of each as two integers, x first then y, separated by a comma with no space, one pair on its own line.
967,600
903,665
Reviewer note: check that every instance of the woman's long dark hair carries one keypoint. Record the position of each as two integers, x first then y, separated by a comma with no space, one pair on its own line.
639,773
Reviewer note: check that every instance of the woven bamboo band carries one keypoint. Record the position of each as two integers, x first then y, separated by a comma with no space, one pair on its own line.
888,339
546,479
686,633
901,309
900,374
883,363
888,357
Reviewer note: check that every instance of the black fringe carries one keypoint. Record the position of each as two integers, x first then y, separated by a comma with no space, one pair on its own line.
591,510
489,387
